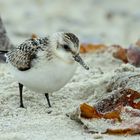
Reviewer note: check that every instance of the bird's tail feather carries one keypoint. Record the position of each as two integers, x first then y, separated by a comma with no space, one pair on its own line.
2,55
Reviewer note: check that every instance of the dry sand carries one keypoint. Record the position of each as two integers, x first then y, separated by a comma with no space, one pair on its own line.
89,21
37,121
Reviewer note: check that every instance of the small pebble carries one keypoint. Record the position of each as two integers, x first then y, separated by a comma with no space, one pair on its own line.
98,136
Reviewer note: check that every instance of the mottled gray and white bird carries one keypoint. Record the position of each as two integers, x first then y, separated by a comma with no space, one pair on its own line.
45,65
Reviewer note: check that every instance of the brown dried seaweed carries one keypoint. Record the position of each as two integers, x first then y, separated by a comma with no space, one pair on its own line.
112,106
109,106
128,55
89,47
120,53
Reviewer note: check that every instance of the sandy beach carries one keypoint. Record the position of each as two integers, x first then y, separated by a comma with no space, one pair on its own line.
95,21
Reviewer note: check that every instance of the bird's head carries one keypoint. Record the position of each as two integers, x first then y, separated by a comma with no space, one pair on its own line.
66,46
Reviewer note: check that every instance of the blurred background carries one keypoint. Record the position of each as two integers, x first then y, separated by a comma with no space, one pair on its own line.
105,21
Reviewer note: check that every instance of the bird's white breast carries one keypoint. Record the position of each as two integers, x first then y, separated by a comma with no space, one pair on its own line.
46,76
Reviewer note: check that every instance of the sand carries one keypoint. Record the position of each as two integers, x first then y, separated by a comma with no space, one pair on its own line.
89,20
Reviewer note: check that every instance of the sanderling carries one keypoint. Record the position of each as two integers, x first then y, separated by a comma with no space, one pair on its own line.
45,65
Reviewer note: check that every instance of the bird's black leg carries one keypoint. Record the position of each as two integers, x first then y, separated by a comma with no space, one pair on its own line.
20,91
48,100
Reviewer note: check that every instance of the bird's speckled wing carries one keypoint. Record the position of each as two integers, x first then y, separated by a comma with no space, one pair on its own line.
22,56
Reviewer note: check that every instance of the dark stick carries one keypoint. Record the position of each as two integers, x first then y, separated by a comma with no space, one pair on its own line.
48,100
2,51
20,91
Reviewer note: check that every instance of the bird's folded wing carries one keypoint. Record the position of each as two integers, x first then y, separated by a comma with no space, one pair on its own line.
20,59
22,56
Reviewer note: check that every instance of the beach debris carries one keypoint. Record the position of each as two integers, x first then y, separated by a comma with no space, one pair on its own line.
125,77
130,125
119,111
120,53
89,112
133,55
109,107
89,47
128,55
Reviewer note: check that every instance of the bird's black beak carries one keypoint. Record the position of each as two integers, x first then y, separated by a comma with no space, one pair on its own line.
80,61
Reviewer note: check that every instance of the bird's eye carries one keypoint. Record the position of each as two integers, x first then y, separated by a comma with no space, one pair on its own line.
66,47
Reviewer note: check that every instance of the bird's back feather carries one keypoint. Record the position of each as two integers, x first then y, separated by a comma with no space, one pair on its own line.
22,56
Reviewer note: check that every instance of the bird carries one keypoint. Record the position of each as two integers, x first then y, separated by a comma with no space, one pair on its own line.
45,64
